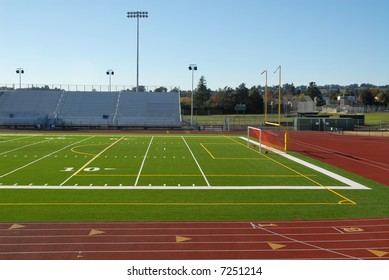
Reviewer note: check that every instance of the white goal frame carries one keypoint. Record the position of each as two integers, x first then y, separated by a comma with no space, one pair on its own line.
259,139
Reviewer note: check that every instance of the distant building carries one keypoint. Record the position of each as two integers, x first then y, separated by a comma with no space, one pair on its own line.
306,105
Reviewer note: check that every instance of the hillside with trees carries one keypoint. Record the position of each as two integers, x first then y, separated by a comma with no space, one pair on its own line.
224,100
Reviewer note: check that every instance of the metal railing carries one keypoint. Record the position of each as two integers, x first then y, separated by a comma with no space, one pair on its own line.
78,87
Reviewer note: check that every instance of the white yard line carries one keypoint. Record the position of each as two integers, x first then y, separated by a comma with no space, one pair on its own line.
86,164
19,148
198,165
39,159
15,139
350,183
143,162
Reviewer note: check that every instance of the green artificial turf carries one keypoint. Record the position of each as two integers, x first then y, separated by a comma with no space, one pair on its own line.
179,163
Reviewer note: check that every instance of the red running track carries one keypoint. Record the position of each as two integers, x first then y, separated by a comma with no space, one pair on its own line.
334,239
367,156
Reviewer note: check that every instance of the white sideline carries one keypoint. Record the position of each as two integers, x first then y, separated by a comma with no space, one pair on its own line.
93,187
350,183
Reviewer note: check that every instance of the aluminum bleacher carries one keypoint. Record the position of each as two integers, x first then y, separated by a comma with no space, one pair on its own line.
20,108
149,110
87,109
65,109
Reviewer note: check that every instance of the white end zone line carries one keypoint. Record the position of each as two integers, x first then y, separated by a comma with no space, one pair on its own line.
350,183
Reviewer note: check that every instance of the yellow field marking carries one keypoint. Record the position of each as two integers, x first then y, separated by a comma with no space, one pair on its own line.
345,199
241,158
96,232
224,158
90,161
182,239
353,229
161,203
257,175
143,175
105,175
172,175
219,143
276,246
16,226
201,144
191,175
83,153
378,253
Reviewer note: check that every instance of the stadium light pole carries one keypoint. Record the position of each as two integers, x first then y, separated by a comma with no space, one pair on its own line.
192,67
20,71
265,71
279,93
110,73
137,15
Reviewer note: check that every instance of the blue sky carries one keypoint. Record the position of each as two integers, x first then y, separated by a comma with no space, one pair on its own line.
231,41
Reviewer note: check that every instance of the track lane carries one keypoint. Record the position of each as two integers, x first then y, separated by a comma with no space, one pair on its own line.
365,156
202,240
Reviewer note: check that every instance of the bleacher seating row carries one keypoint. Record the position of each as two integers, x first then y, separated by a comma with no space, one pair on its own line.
56,109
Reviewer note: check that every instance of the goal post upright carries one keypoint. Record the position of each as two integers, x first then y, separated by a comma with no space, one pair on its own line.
270,120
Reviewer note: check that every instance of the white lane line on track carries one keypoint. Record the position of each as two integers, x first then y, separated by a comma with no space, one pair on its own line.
77,242
337,221
304,242
361,160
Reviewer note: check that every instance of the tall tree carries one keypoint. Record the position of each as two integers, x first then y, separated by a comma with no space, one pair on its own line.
202,94
225,100
254,101
161,89
367,97
241,94
314,92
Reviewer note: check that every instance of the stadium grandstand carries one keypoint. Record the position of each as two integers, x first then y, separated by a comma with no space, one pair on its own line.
57,109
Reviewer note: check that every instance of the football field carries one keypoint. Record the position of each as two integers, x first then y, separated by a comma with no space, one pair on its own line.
107,173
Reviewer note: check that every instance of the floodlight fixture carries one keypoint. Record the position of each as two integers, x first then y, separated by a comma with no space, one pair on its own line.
137,15
20,71
110,73
192,67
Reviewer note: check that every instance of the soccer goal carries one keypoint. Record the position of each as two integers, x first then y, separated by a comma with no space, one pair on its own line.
256,133
276,137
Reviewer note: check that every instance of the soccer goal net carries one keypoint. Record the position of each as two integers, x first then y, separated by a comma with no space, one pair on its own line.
272,138
254,137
